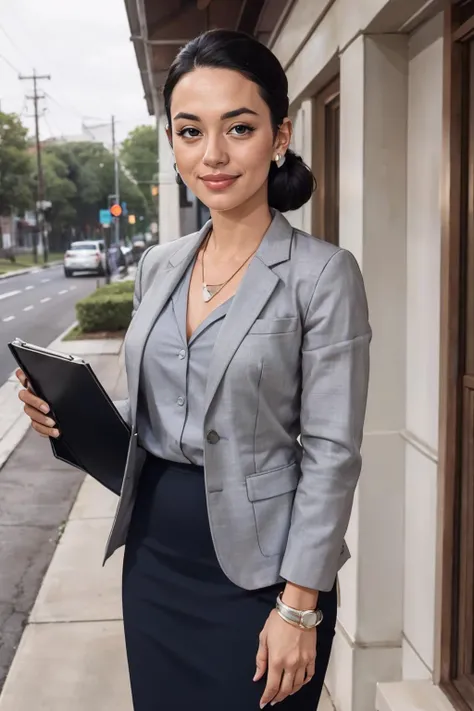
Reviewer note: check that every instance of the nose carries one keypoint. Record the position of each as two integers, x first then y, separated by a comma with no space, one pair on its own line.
215,153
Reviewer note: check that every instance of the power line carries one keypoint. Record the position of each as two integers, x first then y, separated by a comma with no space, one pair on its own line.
21,51
52,122
14,44
69,108
51,132
12,66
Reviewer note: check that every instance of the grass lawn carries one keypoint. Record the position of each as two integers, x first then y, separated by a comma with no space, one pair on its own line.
77,334
24,261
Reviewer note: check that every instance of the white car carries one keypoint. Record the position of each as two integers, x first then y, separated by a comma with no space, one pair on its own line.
85,256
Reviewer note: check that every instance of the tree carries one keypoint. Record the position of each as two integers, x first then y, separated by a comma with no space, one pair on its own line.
139,154
15,166
89,168
60,190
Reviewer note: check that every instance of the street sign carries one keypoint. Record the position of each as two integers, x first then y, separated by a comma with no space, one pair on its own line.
44,205
124,209
116,210
105,218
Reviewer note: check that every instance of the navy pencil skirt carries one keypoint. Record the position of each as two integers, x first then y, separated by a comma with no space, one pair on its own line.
191,634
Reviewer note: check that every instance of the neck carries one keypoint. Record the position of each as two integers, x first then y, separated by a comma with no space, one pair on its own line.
239,230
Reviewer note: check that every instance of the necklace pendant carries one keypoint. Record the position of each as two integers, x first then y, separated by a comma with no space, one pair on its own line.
206,294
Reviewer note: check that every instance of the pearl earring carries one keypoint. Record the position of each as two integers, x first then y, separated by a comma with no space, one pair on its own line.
279,160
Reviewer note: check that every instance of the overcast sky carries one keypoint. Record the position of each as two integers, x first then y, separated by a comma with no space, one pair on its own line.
85,48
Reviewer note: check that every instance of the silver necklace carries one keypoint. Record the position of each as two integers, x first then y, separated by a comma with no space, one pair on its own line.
209,291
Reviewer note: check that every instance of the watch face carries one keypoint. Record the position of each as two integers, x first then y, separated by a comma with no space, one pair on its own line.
309,619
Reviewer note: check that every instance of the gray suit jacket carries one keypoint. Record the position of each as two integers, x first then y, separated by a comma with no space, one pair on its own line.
284,407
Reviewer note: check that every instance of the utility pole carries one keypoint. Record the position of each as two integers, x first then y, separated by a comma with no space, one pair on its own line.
39,211
117,181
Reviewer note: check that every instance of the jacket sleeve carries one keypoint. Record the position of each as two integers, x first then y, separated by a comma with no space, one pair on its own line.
123,406
335,371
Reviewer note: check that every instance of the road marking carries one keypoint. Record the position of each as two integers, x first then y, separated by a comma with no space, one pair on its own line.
35,271
8,294
43,281
43,301
64,291
28,308
27,288
8,318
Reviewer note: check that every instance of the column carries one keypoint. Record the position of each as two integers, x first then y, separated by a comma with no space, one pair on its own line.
374,90
169,218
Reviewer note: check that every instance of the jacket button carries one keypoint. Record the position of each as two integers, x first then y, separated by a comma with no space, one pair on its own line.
212,437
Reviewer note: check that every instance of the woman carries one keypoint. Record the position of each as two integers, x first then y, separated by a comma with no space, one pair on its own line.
247,363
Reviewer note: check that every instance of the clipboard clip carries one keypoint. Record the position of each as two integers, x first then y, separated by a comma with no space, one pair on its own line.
57,354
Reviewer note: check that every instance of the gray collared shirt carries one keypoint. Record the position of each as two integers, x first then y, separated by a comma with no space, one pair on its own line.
173,380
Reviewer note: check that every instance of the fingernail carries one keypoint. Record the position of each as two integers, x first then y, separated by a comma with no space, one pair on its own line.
45,409
55,433
50,422
262,706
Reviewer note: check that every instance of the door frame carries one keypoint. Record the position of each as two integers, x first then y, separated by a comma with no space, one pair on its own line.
453,201
323,222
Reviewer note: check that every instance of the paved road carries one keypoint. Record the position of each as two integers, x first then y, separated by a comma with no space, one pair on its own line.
38,307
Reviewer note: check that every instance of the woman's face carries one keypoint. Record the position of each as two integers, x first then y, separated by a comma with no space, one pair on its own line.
222,137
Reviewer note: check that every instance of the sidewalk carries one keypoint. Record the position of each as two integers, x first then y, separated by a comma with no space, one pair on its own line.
72,654
28,270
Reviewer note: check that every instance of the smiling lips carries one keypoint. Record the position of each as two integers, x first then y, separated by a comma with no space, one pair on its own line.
218,181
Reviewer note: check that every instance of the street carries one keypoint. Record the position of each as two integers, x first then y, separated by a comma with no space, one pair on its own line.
38,307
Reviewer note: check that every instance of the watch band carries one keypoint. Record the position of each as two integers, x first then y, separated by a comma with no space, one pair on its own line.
305,619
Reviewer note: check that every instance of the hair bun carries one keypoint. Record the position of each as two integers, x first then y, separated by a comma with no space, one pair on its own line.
292,185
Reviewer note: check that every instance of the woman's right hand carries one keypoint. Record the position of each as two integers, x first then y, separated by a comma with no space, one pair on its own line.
36,409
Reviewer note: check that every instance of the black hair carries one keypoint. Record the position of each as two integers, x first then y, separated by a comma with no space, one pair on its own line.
292,185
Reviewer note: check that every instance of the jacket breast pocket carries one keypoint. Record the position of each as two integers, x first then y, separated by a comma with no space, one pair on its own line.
271,494
274,325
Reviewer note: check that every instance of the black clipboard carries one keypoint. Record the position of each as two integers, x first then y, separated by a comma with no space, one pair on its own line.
94,436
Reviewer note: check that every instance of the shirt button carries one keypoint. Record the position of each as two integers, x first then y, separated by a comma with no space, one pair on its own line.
212,437
180,401
182,354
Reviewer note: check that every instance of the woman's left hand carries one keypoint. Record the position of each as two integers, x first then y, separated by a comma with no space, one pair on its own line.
288,655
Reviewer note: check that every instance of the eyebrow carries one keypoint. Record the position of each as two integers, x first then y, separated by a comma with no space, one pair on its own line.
227,115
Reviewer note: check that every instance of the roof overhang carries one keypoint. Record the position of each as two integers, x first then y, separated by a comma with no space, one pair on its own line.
159,29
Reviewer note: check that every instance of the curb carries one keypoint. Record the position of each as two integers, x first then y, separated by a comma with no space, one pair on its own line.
86,347
19,272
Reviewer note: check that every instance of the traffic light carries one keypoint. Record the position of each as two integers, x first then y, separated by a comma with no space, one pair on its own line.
155,189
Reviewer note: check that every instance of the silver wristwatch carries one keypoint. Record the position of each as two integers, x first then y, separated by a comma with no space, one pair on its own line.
305,619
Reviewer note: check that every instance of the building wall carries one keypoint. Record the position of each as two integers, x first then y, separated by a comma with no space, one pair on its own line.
423,297
390,163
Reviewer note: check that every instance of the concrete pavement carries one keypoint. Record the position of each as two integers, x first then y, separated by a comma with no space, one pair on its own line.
71,653
36,496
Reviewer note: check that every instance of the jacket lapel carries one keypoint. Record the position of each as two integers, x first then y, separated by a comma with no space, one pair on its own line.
152,303
255,289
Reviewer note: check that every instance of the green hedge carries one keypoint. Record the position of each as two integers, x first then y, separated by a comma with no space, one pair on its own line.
109,308
118,287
